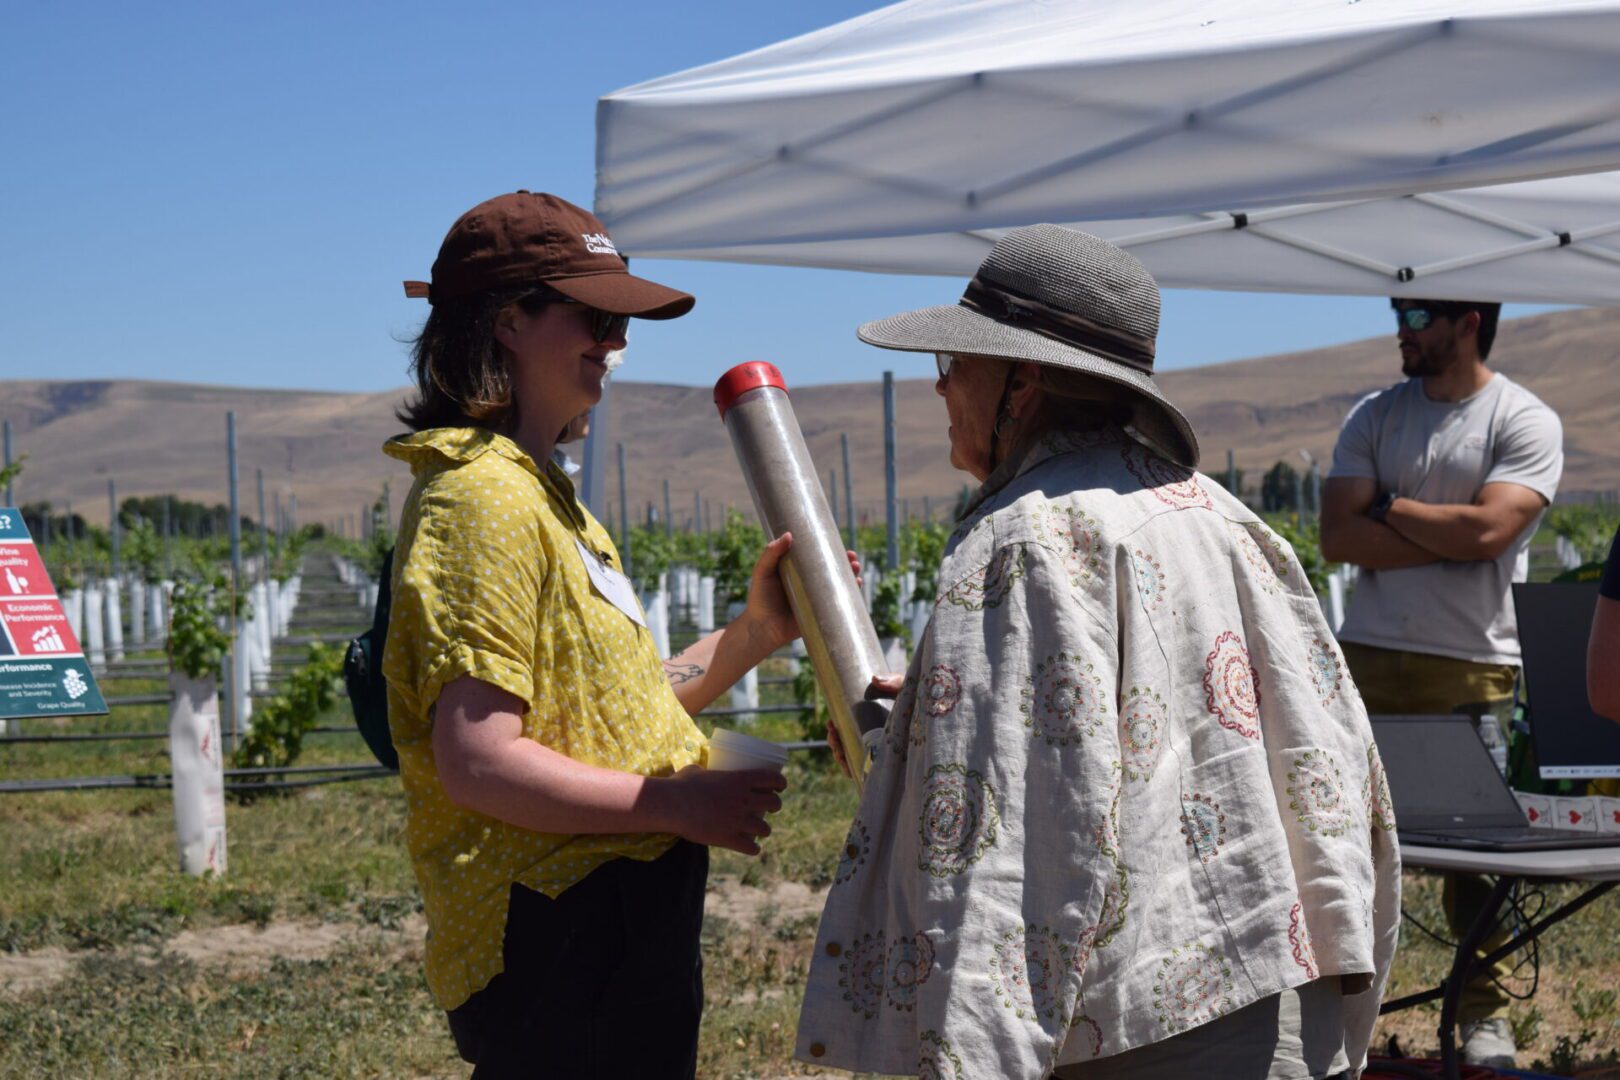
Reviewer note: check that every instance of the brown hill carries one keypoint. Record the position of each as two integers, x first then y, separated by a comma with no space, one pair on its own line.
153,437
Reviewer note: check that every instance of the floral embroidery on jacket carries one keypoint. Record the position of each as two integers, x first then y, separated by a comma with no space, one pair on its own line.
1117,891
941,691
1327,673
1316,788
1299,937
1203,824
1075,537
1094,1035
1231,686
1170,483
988,586
1149,579
1027,970
936,1060
1264,551
1142,717
1375,792
857,845
911,961
1064,700
959,820
1193,987
861,974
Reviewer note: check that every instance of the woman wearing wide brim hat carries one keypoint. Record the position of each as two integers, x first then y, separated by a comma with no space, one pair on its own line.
556,820
1127,818
1096,346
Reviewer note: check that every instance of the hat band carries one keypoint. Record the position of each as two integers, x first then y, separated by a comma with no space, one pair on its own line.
1028,313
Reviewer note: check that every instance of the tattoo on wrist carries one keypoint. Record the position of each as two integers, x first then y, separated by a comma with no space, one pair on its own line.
682,673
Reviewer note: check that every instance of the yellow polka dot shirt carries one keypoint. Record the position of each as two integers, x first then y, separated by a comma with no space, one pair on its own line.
488,582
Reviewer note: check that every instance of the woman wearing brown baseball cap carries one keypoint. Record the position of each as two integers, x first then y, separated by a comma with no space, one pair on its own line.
558,821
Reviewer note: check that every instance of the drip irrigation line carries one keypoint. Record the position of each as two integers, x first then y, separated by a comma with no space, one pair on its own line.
162,781
94,736
134,736
277,770
283,785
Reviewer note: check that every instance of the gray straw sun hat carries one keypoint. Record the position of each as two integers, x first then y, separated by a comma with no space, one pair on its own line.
1051,295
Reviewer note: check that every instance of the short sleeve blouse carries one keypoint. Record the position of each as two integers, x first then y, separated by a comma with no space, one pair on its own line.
489,582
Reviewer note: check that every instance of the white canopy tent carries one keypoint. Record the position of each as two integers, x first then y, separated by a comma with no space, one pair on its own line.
1242,144
1552,241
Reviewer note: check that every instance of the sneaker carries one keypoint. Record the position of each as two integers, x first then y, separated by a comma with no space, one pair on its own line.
1488,1043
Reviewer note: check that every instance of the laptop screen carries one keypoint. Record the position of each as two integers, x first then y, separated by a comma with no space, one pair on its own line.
1570,739
1441,777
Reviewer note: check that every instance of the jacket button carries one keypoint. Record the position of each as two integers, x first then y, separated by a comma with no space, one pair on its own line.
817,1050
833,948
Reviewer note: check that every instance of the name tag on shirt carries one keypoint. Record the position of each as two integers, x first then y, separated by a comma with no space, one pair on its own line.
613,586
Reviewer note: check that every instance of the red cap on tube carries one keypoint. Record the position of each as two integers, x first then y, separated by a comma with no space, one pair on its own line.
743,378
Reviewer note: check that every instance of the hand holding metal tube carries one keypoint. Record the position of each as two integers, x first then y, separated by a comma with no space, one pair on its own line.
821,587
882,688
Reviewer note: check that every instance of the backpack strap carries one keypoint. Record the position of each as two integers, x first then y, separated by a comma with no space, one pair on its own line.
363,674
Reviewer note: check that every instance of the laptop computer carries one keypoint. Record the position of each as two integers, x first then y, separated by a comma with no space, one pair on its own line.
1447,792
1571,740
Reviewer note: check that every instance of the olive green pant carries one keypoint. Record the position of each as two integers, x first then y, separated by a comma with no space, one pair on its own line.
1396,682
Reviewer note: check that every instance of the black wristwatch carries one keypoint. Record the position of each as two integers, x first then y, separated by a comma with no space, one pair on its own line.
1380,507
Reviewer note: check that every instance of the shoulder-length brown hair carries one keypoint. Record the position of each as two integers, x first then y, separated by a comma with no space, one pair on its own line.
463,375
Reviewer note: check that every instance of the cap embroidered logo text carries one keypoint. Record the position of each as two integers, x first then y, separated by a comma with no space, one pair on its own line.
599,243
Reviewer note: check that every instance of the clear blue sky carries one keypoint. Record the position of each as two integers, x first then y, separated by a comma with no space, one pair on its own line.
232,193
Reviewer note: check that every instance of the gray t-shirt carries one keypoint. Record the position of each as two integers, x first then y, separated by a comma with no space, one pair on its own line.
1444,452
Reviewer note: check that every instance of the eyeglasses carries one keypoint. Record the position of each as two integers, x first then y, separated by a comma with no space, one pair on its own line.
943,361
1412,318
604,324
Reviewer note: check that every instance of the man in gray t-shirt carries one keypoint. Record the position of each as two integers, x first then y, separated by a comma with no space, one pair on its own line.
1437,486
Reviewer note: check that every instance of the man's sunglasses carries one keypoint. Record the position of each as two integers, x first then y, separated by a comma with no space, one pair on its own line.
604,324
1412,318
943,361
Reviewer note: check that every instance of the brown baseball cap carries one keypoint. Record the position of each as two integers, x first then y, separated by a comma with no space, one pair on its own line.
525,238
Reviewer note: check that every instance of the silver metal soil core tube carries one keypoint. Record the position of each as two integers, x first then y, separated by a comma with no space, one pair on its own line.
838,633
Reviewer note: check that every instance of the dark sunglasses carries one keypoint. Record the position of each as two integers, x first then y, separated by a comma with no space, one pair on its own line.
943,361
1412,318
604,324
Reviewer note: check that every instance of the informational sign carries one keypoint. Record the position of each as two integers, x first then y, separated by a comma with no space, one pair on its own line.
43,671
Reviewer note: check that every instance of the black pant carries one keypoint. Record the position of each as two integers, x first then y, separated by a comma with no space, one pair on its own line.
604,982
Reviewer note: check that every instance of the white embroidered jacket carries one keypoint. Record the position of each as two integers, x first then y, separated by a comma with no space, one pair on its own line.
1128,787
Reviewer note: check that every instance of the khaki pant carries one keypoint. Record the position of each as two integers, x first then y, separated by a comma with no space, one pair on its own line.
1395,682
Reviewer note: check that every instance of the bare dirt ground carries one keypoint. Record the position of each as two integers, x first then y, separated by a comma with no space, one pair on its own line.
746,905
238,949
242,949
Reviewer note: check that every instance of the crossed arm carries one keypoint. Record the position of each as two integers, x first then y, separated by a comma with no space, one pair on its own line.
1416,533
